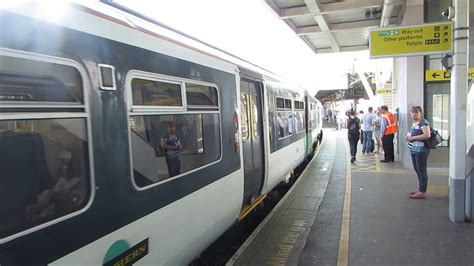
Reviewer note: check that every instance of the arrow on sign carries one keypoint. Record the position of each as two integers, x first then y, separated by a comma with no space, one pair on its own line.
435,75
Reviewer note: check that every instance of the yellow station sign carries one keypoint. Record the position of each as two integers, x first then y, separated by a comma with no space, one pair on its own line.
383,91
409,41
442,75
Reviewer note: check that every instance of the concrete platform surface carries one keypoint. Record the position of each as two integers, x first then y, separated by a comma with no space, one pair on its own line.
363,216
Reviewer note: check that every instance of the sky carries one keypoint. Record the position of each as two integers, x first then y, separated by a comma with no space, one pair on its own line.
251,30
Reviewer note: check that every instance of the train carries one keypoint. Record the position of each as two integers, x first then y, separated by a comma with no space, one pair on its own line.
88,95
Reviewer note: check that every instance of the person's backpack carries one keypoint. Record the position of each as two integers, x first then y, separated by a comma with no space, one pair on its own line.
434,140
353,127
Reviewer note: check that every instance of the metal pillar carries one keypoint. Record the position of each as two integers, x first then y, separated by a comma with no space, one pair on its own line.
457,150
366,84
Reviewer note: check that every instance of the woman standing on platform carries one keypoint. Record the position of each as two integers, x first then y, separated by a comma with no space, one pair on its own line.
172,146
416,136
353,133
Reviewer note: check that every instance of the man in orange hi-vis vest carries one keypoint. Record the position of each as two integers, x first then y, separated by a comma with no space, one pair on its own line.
388,129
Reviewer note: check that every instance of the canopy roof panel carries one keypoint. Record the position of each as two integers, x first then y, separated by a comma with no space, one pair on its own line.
337,25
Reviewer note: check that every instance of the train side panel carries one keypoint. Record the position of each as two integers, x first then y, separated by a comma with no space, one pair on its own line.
198,206
175,233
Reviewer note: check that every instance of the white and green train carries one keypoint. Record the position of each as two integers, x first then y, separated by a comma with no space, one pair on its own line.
87,92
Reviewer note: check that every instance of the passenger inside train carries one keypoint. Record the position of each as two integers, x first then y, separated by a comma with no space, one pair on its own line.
55,184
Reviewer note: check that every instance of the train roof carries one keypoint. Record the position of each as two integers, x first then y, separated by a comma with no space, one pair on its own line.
195,42
126,17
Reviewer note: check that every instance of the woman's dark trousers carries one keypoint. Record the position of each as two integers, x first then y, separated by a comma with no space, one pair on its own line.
419,160
174,167
353,144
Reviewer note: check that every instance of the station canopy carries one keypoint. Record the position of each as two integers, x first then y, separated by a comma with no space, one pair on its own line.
331,26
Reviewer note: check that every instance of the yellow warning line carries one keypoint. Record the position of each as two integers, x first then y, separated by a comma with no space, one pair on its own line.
343,255
439,190
377,162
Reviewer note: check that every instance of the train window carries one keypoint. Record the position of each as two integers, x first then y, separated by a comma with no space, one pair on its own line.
45,171
244,116
287,123
107,77
168,142
282,124
299,121
24,80
280,102
299,105
44,143
156,93
196,135
255,122
299,116
314,117
286,120
201,95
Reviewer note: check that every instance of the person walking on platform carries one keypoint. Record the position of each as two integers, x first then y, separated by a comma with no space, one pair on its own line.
388,129
361,119
416,136
353,133
367,127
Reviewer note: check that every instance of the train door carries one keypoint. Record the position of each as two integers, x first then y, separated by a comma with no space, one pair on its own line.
252,139
307,121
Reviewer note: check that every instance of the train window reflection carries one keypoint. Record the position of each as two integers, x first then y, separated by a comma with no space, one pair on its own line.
255,123
45,174
299,116
244,116
201,95
286,121
28,80
299,105
313,116
299,121
280,103
282,124
156,93
167,145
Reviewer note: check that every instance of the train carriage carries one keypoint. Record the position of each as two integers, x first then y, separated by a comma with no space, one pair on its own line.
87,95
314,119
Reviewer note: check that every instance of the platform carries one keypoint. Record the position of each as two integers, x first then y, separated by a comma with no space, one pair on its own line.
368,220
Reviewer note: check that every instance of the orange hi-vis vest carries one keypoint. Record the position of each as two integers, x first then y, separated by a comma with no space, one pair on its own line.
392,127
